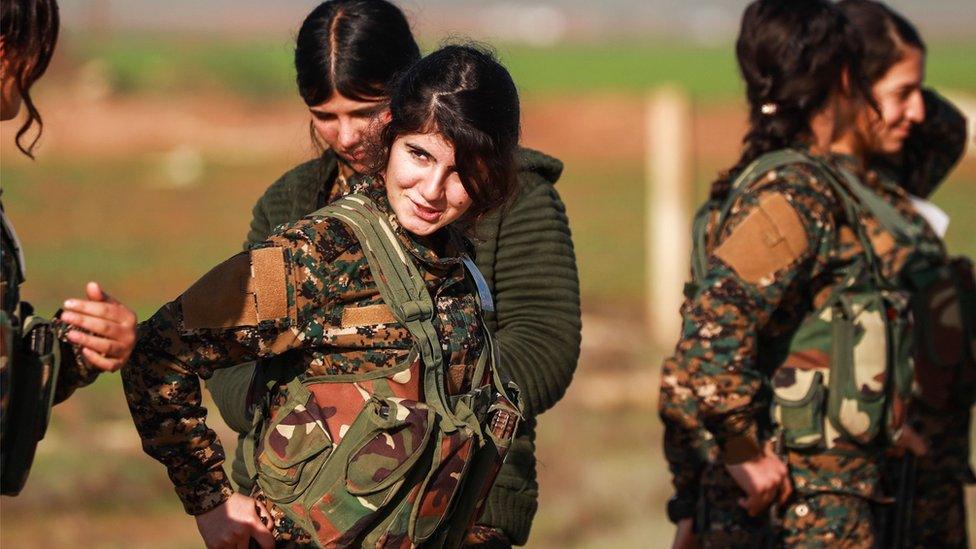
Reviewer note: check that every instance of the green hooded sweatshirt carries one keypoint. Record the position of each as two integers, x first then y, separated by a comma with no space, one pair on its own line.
526,253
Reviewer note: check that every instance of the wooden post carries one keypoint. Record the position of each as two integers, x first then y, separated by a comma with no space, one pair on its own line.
668,221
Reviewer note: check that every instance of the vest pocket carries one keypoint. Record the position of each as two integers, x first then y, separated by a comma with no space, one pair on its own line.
385,455
293,447
366,470
859,369
798,406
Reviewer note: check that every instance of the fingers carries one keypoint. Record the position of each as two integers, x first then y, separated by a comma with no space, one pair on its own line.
785,490
111,328
96,293
94,324
261,534
101,362
113,312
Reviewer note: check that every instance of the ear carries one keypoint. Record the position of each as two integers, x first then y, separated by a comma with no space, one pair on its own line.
385,116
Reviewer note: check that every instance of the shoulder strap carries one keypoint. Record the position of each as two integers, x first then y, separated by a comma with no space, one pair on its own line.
853,195
886,214
400,283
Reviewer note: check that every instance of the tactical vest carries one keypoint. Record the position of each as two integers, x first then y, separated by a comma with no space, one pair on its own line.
410,465
845,374
29,360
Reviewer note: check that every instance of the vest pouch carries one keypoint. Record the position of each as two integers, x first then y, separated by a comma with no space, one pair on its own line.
365,472
859,365
389,451
294,447
798,407
453,455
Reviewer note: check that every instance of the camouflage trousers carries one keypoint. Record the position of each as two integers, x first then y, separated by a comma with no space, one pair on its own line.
817,520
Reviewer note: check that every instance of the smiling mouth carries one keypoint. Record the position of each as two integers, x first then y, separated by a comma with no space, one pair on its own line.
429,215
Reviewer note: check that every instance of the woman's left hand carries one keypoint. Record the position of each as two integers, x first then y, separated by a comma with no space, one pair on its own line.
110,327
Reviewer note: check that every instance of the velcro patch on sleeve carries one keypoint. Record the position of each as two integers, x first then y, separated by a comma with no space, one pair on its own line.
770,238
242,291
379,313
268,283
220,299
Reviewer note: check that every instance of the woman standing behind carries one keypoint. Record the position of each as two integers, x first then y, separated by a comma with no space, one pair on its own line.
28,34
785,253
912,142
346,55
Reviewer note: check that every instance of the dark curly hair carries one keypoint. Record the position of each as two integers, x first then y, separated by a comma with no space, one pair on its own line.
30,31
885,34
463,93
792,55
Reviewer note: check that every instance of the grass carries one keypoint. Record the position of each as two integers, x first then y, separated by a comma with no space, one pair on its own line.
260,69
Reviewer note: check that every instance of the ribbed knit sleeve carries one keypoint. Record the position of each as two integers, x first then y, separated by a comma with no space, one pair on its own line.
537,296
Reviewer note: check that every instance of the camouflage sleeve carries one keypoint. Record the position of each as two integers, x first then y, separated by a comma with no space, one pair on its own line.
74,371
932,149
775,240
253,305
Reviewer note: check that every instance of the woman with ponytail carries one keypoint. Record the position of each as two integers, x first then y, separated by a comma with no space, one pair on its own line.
751,436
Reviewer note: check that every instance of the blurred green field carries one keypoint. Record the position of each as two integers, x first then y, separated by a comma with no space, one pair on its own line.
117,218
262,68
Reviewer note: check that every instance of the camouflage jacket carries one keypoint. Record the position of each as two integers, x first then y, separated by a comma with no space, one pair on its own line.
781,251
306,289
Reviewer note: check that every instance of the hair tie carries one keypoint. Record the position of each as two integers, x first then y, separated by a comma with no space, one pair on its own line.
769,109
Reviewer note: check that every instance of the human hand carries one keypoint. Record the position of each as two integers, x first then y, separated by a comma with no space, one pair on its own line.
910,440
684,537
232,524
110,327
762,478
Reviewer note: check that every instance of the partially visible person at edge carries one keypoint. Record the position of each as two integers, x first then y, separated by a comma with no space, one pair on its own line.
445,159
783,251
915,142
347,52
94,334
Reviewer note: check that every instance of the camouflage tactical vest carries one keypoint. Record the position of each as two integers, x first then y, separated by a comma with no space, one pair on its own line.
29,359
410,465
846,374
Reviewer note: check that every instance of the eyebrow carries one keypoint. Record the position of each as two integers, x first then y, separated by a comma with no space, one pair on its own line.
362,111
420,149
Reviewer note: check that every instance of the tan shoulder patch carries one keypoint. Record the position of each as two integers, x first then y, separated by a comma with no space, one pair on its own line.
379,313
268,283
770,238
242,291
